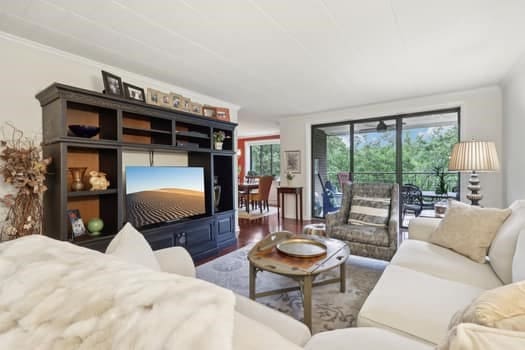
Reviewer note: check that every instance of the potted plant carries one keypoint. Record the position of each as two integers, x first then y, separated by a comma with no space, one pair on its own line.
218,139
289,177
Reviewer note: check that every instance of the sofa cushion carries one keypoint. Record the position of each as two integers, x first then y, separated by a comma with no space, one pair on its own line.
289,328
504,244
469,230
250,334
518,263
502,307
444,263
364,338
415,304
472,336
361,233
373,211
130,245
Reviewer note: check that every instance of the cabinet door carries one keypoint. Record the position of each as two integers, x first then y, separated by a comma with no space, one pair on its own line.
200,240
226,230
160,241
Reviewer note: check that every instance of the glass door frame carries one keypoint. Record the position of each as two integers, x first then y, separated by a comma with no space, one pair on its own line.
398,118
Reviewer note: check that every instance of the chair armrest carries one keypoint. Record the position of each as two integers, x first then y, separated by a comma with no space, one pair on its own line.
175,260
421,228
332,219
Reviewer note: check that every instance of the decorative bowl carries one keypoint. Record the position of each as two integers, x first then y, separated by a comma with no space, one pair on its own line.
84,130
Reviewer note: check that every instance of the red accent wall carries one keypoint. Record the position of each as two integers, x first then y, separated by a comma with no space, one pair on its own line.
240,145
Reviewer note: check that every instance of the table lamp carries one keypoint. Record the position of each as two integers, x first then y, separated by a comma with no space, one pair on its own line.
474,156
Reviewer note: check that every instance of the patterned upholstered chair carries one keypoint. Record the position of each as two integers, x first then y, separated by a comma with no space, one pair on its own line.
368,220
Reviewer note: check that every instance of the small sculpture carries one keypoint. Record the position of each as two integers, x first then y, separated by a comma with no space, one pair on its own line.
98,181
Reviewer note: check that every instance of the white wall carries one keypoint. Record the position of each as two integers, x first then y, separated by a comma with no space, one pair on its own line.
513,131
27,67
481,119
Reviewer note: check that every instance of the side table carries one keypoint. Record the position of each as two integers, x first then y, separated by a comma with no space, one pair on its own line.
298,192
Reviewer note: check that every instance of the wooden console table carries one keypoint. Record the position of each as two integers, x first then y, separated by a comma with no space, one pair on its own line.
298,192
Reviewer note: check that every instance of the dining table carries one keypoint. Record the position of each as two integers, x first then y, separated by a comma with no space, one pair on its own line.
247,189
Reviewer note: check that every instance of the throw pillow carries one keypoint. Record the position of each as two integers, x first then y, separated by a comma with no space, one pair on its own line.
503,246
502,307
518,263
469,230
130,245
473,336
369,211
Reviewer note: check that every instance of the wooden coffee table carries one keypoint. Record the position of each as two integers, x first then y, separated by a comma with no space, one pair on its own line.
264,256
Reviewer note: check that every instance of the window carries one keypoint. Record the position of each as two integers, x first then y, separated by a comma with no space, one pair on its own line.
265,159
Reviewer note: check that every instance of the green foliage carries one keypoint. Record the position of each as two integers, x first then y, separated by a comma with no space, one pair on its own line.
265,159
423,150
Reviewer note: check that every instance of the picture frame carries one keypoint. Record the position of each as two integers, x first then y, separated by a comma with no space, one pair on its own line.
164,100
196,108
186,104
222,113
209,111
77,225
152,97
112,84
176,101
292,161
134,92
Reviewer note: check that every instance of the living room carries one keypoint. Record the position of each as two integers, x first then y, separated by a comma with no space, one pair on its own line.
280,68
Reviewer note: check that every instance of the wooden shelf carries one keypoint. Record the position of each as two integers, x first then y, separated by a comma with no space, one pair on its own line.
192,134
78,194
143,132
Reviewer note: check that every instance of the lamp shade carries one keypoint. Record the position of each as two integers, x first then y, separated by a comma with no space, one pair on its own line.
474,156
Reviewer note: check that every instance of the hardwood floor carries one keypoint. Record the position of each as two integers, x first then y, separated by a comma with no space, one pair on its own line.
252,231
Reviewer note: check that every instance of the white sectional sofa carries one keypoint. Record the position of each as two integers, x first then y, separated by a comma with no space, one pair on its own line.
425,284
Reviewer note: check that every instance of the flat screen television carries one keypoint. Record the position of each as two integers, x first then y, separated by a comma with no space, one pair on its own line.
162,194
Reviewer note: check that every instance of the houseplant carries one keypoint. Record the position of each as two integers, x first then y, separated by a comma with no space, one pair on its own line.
218,139
25,169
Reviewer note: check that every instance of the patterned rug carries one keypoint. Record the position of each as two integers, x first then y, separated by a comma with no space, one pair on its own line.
330,308
256,213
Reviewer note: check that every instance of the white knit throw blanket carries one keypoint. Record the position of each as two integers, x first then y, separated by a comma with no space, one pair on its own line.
54,295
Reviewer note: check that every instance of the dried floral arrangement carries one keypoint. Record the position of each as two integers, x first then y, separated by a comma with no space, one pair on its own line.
24,167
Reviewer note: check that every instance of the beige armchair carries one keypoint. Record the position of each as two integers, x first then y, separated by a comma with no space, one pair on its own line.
378,242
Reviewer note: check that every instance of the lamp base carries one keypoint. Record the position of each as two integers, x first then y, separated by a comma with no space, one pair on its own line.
474,196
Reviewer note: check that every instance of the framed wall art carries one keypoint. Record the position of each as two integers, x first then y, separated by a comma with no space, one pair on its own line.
292,161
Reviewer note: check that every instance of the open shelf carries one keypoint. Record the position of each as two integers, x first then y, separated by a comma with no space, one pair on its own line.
147,130
83,114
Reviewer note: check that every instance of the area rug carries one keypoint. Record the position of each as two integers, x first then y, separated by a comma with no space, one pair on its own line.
330,308
256,213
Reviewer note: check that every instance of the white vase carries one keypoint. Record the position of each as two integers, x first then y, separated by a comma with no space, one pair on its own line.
218,146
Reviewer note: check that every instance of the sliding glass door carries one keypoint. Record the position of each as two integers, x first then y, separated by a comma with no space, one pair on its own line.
404,149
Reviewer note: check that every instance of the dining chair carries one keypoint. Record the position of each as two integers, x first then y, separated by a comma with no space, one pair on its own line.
260,197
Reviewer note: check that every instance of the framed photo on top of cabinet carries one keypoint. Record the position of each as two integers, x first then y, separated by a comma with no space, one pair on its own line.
196,108
186,104
153,97
112,84
134,92
292,161
164,100
209,111
176,101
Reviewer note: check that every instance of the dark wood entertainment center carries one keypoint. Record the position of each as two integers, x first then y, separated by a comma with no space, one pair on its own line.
127,125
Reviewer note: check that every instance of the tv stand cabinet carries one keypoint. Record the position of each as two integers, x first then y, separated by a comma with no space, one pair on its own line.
127,125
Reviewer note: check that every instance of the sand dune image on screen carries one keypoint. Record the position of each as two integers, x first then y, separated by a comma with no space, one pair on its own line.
163,204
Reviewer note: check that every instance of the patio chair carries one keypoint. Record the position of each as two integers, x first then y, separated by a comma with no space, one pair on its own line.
365,230
411,200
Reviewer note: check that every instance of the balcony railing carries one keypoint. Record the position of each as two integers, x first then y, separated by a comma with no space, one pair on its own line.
426,181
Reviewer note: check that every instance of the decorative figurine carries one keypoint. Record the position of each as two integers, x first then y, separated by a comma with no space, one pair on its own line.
98,181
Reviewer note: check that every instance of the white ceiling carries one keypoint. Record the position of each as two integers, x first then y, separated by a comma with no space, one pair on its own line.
277,58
